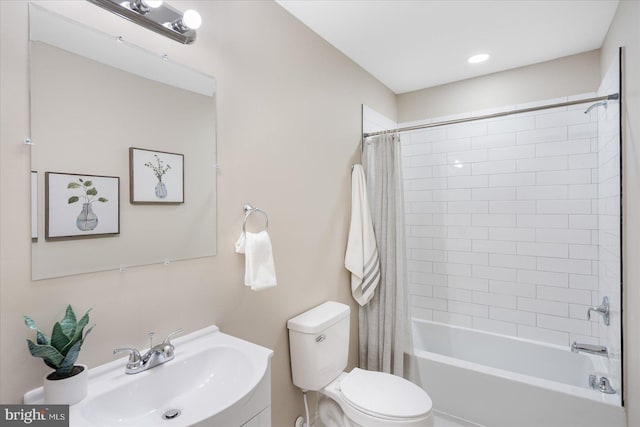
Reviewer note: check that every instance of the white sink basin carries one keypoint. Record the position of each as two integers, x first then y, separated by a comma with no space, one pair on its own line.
215,379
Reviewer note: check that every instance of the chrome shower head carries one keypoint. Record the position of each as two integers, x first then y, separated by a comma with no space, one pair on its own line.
597,104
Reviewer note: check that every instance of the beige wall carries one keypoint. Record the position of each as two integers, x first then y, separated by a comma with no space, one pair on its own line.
625,32
561,77
288,130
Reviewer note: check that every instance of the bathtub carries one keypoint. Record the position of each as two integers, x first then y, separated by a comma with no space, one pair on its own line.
501,381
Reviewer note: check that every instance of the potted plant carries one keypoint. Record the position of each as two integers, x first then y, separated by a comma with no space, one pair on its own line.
67,383
87,220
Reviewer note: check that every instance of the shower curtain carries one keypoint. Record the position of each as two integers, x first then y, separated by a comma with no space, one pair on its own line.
382,320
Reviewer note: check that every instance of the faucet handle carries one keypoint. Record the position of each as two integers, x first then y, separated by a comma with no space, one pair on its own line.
135,360
167,340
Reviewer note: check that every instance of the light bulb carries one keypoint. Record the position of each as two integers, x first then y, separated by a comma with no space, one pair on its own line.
144,6
191,19
476,59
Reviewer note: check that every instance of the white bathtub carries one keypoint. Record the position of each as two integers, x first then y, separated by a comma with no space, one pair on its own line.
501,381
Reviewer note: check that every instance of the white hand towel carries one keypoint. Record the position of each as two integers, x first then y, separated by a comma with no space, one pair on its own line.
259,268
361,258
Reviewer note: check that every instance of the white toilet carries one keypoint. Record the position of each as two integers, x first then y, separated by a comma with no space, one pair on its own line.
319,345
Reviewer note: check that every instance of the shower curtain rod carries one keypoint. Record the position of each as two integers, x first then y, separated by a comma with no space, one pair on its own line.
613,96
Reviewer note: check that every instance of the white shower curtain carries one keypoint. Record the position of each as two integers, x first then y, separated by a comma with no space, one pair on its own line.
383,319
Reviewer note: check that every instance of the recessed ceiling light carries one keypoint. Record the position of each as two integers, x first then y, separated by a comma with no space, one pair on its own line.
476,59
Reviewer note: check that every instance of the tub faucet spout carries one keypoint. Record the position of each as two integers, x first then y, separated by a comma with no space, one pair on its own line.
590,348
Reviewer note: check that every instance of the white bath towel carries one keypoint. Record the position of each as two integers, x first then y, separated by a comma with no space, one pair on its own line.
362,258
259,268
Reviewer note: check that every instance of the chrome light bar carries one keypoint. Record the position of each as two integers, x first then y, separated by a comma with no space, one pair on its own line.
162,19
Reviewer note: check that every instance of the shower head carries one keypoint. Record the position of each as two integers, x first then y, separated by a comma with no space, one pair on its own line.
597,104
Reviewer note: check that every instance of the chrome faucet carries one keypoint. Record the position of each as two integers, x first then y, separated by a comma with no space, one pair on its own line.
602,309
156,355
590,348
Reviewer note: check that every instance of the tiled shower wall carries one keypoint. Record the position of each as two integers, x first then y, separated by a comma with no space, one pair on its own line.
502,223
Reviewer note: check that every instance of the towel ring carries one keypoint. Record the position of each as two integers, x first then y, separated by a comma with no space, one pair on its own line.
248,210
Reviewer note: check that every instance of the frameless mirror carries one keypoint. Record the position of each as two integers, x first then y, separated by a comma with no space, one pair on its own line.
124,153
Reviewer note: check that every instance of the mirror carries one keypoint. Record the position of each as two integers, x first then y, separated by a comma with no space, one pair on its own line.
111,125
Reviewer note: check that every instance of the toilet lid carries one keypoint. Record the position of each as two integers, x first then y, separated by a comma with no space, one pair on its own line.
384,395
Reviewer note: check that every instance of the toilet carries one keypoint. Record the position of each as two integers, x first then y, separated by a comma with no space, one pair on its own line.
319,346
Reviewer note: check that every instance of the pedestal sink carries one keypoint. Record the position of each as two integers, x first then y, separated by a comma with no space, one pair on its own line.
214,380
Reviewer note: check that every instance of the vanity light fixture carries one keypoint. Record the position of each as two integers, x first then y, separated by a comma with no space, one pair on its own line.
157,16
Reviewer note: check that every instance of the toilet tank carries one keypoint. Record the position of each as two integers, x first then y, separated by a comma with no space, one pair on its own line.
319,345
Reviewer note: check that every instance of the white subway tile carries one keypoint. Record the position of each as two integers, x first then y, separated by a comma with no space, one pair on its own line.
452,269
543,335
468,181
428,302
512,179
583,191
421,313
418,196
514,316
427,231
451,219
505,193
512,261
493,220
460,169
495,326
429,255
492,141
583,252
511,288
418,219
512,153
512,234
563,148
542,164
453,319
419,242
542,135
420,266
417,172
512,207
416,150
583,161
493,167
461,144
583,281
570,295
556,308
587,130
556,250
448,195
467,156
420,290
516,124
564,118
579,207
494,300
585,339
469,309
452,244
427,160
475,283
564,265
576,176
543,221
453,294
428,135
494,246
468,129
419,278
564,324
555,235
579,311
425,184
543,192
468,232
429,207
543,278
477,206
495,273
475,258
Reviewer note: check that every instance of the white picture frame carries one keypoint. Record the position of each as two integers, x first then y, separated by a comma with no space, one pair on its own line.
155,177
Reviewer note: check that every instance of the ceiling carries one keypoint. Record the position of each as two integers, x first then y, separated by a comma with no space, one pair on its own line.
411,45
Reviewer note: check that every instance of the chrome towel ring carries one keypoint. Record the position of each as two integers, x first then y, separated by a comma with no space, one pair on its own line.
248,210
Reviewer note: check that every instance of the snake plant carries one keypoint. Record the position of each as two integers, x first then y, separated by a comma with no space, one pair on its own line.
61,350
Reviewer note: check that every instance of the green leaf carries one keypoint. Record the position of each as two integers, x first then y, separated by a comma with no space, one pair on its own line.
58,339
73,199
70,359
102,199
92,192
69,322
42,338
88,183
78,334
73,185
51,356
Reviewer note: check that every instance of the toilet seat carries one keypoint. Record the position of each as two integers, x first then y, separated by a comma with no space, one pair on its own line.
384,395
